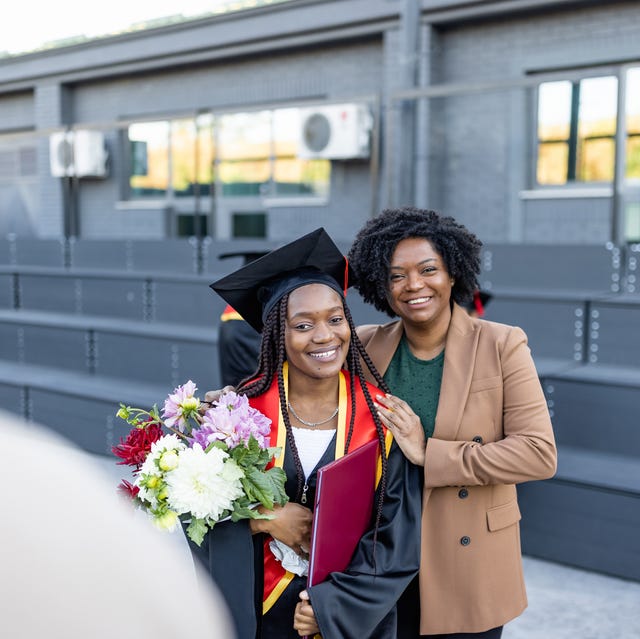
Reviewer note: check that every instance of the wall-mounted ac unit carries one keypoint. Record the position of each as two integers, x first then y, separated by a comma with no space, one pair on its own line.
78,153
335,131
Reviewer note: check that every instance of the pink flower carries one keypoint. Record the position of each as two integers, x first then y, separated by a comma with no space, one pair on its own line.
233,421
181,406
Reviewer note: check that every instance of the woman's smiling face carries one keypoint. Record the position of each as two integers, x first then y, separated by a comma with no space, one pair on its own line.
419,287
317,334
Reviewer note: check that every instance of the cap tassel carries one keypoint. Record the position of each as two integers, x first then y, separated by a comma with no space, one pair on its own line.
477,302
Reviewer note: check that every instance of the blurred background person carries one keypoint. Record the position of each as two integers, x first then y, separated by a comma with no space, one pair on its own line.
238,342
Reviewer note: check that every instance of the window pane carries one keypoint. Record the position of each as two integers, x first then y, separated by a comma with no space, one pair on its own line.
598,105
632,106
294,176
596,160
243,178
244,136
596,129
149,159
552,162
286,127
633,157
554,110
633,124
183,157
205,152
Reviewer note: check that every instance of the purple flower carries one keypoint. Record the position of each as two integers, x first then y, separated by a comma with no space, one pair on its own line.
233,421
180,406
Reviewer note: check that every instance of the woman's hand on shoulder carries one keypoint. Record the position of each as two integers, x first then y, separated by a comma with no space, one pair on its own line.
290,524
404,425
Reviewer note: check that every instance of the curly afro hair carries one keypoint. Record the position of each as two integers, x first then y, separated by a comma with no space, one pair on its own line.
371,252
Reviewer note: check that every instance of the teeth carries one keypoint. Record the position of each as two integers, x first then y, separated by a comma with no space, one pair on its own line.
325,355
420,300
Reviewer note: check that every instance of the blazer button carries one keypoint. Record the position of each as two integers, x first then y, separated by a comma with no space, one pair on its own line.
463,493
477,439
465,541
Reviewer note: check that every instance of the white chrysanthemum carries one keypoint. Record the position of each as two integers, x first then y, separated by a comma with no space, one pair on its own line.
150,466
166,442
204,484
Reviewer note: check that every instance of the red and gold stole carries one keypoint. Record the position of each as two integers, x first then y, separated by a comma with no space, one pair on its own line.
230,313
276,578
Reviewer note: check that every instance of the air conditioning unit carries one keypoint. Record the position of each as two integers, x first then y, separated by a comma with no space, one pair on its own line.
335,131
78,153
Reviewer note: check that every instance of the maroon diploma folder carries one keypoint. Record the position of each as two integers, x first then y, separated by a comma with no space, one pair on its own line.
343,507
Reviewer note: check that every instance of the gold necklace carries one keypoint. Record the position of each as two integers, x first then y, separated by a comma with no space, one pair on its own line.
312,424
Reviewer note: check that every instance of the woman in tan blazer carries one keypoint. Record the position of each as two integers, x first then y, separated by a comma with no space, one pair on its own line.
472,414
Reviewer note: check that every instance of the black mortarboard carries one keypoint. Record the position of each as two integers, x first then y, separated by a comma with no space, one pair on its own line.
254,289
248,256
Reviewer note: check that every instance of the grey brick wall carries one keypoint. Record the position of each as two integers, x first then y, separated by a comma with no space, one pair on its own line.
478,137
50,110
16,111
477,149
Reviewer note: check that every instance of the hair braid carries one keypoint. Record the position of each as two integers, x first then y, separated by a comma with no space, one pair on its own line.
355,341
258,382
355,368
282,354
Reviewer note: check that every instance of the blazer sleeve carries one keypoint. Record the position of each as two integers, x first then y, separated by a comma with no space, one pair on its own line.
527,450
353,603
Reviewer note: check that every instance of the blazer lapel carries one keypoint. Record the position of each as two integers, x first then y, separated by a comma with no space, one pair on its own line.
382,346
459,356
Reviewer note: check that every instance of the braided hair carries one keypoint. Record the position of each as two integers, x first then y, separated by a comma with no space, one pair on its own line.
270,363
373,248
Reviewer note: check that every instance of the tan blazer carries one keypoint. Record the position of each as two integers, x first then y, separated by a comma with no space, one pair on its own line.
492,431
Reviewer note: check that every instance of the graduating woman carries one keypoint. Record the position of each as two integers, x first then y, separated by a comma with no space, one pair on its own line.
310,383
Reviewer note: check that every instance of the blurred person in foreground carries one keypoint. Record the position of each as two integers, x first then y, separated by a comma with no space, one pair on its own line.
467,406
78,563
310,383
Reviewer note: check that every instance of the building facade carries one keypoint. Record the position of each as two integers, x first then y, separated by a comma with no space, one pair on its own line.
520,118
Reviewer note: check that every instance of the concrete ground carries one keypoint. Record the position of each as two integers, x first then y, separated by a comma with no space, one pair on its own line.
564,602
568,603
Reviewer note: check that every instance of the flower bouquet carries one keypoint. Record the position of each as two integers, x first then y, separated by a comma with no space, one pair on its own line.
202,470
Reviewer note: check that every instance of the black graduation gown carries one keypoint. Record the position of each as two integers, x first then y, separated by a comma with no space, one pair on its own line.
356,604
238,349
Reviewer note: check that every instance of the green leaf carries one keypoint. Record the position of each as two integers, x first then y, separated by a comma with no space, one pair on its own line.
243,512
196,530
263,486
216,444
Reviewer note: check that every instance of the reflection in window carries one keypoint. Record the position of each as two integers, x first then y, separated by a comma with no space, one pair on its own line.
576,131
171,158
149,147
258,156
632,110
246,154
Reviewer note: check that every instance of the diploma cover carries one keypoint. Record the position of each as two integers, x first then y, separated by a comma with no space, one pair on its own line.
344,502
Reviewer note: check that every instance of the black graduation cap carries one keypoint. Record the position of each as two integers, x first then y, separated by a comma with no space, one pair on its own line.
248,256
254,289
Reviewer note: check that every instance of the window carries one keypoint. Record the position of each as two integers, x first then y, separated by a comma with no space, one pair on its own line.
632,109
245,154
576,130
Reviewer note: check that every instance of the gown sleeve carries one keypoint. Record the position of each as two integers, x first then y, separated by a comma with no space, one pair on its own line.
229,556
360,602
